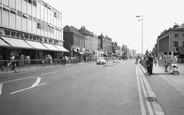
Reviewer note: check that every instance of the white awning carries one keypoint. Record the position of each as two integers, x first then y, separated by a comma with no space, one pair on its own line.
51,47
36,45
61,48
4,44
19,43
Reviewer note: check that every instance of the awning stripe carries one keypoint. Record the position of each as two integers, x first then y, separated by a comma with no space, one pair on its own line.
51,47
36,45
61,48
19,43
2,43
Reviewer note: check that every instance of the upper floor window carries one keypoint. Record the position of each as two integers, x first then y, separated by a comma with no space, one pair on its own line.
175,44
175,35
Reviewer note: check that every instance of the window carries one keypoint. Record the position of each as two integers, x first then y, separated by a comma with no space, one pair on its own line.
34,3
30,1
55,14
18,20
34,25
175,35
13,21
175,44
0,15
38,25
24,6
29,25
24,24
6,18
12,3
29,9
6,2
18,5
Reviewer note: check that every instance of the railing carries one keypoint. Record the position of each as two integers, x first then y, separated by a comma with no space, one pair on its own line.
37,63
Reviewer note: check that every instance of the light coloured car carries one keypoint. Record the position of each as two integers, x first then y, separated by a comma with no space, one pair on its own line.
101,60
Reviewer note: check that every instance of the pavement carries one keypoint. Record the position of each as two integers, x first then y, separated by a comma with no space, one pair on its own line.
176,81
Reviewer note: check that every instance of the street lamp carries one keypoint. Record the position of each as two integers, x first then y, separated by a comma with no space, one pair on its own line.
141,16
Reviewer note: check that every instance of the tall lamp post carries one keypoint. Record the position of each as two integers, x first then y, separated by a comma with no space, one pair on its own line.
141,16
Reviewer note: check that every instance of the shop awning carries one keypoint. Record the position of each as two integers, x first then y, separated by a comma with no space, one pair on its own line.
51,47
61,48
18,43
36,45
3,44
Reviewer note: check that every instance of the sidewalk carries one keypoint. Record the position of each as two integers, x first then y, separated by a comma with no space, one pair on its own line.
7,70
176,81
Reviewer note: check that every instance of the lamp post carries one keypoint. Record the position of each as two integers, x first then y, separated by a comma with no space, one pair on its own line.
141,16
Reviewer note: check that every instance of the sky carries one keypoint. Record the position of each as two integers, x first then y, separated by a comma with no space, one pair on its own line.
117,18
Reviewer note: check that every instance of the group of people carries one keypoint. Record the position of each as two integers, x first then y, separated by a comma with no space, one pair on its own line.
169,60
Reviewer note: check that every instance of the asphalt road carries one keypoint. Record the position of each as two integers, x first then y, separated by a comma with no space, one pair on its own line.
78,89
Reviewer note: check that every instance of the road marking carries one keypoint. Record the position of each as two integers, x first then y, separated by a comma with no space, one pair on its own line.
49,73
28,88
1,88
156,106
145,94
143,111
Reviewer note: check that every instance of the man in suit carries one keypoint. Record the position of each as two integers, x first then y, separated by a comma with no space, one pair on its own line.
150,64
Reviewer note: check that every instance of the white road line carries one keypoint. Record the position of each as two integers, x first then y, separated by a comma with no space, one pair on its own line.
145,94
143,111
37,82
69,69
49,73
1,88
156,106
18,79
27,88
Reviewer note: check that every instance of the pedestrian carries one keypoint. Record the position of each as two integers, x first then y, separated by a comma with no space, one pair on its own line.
12,62
28,59
150,64
1,62
22,61
165,57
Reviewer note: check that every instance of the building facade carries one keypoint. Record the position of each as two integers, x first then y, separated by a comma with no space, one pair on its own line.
171,39
34,25
73,41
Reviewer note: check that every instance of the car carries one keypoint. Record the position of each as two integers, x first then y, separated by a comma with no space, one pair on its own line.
101,60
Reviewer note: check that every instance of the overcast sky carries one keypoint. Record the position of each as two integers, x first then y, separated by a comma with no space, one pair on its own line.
117,18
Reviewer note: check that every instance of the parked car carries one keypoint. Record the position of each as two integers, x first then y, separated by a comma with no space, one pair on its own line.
101,60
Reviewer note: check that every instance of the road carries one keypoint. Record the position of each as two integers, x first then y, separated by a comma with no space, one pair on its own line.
80,89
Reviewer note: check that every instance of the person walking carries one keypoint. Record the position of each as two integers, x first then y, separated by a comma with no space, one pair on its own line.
1,62
165,57
12,62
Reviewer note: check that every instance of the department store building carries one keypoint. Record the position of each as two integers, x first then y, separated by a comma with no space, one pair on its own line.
30,27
